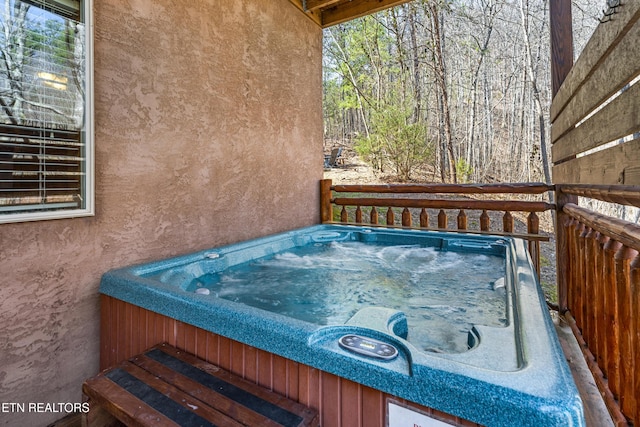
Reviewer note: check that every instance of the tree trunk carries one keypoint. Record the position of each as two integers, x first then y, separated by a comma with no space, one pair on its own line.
441,81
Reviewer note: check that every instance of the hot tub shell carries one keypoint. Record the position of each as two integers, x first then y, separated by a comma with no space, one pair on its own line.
512,375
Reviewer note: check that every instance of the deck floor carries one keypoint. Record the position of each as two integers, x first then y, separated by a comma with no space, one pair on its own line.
596,413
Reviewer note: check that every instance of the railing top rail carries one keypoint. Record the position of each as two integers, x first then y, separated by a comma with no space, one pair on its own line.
620,230
470,204
622,194
512,188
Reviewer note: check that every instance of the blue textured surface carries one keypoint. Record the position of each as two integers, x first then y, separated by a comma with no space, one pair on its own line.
512,376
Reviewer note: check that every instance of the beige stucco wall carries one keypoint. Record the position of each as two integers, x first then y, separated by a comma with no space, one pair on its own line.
208,131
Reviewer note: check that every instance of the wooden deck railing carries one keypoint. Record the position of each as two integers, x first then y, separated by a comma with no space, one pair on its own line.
407,205
599,291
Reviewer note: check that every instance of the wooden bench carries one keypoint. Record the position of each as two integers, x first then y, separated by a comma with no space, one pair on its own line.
167,387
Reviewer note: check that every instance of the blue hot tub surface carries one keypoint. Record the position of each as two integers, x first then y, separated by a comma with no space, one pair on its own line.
511,370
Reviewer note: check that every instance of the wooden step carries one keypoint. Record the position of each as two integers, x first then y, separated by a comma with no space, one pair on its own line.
165,386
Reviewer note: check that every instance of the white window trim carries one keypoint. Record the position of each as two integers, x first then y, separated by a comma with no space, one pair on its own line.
89,193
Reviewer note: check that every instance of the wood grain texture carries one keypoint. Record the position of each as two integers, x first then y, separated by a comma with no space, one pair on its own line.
617,120
618,67
605,167
604,37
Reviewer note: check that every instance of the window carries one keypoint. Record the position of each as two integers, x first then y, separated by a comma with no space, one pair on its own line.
46,114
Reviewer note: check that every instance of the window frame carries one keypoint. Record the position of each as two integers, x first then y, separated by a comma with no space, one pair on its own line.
88,189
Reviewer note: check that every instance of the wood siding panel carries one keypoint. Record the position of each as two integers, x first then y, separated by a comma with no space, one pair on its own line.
605,167
373,409
598,46
617,120
617,69
350,403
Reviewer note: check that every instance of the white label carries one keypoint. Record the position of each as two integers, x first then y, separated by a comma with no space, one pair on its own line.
399,416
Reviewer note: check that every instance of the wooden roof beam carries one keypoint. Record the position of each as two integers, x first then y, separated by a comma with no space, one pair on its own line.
314,15
332,12
312,5
355,9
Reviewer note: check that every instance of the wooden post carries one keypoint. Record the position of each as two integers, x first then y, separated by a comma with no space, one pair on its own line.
326,210
533,227
561,42
635,336
563,261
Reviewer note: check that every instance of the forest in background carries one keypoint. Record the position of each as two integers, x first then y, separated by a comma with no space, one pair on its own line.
460,88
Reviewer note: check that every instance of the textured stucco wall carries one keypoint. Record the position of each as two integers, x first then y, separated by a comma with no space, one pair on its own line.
208,131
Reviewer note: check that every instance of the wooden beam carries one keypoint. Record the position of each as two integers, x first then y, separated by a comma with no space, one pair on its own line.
514,188
312,5
561,42
355,9
469,204
313,15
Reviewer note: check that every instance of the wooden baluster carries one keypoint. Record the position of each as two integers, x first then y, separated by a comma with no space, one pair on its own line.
485,221
578,277
373,218
442,219
589,325
533,227
623,278
612,368
390,217
601,312
570,267
359,215
424,218
406,218
507,222
581,279
344,216
462,220
635,334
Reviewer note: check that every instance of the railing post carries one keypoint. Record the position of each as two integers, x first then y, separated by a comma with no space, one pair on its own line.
563,260
326,210
533,227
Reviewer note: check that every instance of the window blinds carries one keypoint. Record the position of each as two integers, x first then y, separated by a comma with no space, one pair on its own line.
42,153
66,8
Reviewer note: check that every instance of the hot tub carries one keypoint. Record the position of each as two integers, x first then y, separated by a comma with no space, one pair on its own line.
453,322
